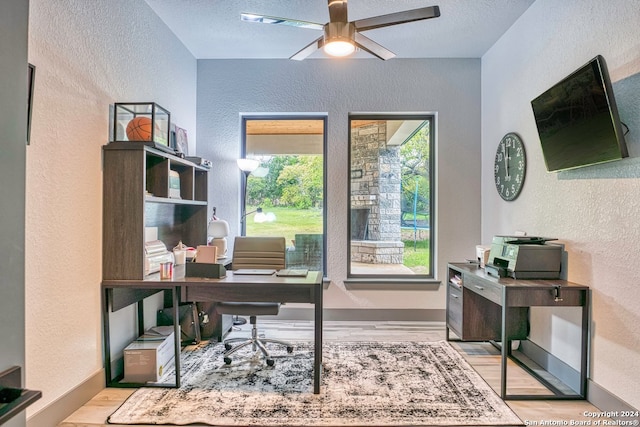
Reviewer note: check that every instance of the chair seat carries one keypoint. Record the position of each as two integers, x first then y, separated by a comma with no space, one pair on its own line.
248,308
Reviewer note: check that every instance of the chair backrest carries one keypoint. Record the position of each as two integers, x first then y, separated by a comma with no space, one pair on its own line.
259,252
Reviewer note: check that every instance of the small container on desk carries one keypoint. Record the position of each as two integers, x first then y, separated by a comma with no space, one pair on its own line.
145,122
204,269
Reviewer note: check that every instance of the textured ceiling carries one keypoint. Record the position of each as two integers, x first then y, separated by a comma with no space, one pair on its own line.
211,29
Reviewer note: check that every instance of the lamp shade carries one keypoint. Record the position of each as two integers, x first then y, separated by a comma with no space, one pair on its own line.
218,228
248,165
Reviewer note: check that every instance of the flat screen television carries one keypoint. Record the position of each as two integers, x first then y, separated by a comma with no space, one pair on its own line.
577,120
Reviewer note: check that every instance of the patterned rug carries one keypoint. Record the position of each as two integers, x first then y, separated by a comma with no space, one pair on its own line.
364,384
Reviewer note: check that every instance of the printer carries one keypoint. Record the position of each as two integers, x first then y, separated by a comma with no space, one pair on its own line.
524,257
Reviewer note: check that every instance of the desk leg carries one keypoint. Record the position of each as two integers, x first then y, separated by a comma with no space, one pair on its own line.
504,346
140,318
584,363
106,338
176,332
317,359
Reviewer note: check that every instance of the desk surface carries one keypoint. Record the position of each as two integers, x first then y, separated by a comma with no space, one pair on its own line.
250,288
513,283
153,280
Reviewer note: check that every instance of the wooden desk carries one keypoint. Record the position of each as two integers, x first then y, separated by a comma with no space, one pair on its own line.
237,288
481,307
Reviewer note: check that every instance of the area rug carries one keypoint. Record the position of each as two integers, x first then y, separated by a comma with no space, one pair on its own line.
363,384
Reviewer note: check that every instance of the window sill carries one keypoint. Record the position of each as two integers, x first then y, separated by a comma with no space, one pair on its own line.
392,283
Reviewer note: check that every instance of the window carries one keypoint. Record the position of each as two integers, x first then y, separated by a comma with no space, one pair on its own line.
391,196
284,196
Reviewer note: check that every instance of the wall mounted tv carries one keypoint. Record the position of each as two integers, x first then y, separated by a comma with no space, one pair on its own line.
577,120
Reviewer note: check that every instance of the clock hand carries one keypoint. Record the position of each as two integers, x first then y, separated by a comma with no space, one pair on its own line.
506,162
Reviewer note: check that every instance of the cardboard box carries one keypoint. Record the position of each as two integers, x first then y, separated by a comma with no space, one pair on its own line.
148,358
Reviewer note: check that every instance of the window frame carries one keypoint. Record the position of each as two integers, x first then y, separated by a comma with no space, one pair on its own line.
244,117
399,279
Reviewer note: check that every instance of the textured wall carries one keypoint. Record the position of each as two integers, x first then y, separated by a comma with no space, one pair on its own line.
449,87
88,55
593,211
14,16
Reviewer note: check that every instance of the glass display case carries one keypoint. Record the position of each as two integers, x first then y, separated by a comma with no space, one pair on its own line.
141,122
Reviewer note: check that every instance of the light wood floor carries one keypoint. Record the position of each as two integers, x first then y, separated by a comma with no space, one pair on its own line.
482,356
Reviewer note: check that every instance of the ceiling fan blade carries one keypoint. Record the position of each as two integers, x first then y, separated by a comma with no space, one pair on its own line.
250,17
365,43
397,18
308,49
338,11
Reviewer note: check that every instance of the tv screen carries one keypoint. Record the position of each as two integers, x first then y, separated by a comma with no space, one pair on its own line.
577,120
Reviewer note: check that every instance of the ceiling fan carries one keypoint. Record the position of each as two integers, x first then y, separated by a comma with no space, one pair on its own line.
340,36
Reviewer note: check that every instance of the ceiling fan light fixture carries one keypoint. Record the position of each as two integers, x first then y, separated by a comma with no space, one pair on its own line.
338,39
339,48
341,37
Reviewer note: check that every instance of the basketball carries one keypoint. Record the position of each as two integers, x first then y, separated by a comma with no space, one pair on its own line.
139,129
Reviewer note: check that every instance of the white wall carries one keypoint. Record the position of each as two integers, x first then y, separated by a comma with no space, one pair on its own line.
88,55
449,87
594,211
14,21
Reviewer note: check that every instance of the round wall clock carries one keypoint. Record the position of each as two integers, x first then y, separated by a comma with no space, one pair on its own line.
510,166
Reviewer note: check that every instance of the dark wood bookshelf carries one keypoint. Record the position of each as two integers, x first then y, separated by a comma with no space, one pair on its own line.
136,196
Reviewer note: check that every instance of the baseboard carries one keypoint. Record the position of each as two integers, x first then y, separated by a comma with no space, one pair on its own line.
605,401
55,412
350,314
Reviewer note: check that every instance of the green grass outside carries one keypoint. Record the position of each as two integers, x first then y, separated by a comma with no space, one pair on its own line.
291,221
417,259
288,223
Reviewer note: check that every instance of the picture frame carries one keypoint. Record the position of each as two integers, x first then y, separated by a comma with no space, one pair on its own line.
31,77
182,142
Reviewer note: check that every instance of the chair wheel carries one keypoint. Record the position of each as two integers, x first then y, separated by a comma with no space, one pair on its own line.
227,346
289,349
270,362
227,360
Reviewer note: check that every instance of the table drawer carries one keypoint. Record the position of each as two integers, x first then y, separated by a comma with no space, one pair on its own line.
489,290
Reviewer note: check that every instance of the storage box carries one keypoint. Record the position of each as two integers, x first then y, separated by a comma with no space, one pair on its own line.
148,358
203,269
142,122
482,253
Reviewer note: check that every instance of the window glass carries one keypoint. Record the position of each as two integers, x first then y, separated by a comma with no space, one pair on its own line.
284,195
391,195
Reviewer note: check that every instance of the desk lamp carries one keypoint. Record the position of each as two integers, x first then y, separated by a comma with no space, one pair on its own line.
259,216
217,232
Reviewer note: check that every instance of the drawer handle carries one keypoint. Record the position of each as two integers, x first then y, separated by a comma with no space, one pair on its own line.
481,288
454,296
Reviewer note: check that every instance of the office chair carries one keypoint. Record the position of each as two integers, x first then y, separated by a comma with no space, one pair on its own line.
254,253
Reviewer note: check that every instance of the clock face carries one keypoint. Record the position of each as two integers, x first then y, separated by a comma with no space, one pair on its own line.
510,166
